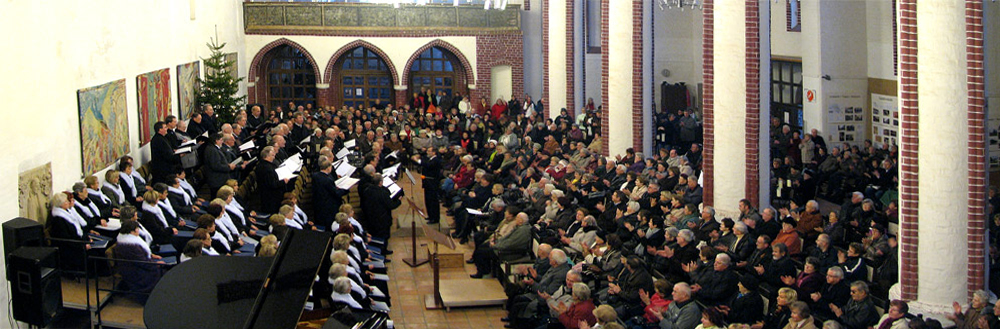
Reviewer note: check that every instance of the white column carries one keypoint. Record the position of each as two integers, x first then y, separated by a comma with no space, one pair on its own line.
943,157
557,57
730,105
620,63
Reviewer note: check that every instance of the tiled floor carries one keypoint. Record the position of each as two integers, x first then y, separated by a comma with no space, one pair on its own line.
408,286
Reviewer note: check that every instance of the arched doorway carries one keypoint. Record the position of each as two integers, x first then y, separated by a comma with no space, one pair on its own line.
289,76
439,70
363,78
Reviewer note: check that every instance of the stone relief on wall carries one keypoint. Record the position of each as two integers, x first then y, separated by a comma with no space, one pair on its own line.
340,16
442,18
304,16
34,191
472,17
309,17
264,16
377,17
412,17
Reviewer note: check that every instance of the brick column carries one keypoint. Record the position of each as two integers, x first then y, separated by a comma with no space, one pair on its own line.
708,107
945,60
909,146
323,95
976,118
752,123
402,97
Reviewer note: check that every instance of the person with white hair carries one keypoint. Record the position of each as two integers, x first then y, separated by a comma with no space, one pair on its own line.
860,313
341,295
670,260
713,287
683,312
979,307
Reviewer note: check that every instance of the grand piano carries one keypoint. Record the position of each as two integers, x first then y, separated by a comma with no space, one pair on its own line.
243,292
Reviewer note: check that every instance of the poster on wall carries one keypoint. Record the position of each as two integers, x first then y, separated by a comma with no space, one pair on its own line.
885,120
154,101
187,87
103,125
845,118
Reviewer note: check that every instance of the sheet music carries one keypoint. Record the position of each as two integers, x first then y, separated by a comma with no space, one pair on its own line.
247,146
293,163
284,172
394,190
392,155
345,183
350,144
183,150
204,134
410,176
113,225
237,162
189,142
345,169
342,153
391,171
474,212
306,140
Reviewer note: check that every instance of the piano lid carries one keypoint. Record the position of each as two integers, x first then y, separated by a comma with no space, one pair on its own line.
230,292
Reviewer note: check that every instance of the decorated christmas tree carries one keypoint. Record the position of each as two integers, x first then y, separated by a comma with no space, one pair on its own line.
220,86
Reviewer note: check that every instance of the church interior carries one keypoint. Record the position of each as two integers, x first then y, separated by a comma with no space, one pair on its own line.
862,136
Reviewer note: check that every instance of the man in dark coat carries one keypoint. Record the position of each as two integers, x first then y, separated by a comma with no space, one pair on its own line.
377,206
270,188
327,198
216,167
713,287
431,170
163,160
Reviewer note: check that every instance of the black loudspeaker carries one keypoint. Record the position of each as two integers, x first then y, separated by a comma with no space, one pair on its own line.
21,232
36,288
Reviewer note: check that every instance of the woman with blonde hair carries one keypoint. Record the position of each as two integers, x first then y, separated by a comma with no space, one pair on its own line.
268,246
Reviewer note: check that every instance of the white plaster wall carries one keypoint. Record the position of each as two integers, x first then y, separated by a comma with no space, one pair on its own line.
730,105
59,47
992,39
831,46
557,57
783,42
619,76
943,154
397,49
677,42
531,27
501,78
579,51
879,23
592,86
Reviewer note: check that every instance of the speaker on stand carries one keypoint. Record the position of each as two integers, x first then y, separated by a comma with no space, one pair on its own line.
36,287
21,232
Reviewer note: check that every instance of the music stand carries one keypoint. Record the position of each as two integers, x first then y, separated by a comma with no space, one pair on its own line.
433,301
414,209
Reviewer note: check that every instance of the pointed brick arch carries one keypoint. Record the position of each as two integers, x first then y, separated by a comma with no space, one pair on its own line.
469,74
257,95
331,68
